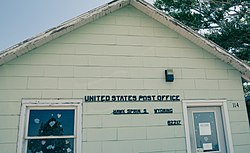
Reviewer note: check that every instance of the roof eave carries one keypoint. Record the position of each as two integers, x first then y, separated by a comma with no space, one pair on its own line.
53,33
34,42
193,36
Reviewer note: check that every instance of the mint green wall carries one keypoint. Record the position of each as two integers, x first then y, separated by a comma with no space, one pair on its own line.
123,53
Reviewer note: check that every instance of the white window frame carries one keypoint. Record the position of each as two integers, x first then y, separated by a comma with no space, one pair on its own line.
225,116
46,104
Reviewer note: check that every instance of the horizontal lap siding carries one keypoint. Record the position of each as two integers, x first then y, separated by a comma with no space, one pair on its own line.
123,53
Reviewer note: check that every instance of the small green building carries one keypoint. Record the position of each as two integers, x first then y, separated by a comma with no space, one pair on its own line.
122,78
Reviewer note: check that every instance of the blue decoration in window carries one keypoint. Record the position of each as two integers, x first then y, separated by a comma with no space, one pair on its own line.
42,123
46,123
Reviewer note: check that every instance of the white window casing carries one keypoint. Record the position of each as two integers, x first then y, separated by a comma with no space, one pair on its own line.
49,104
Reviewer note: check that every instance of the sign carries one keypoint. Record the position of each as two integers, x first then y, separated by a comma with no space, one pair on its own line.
205,128
207,146
132,98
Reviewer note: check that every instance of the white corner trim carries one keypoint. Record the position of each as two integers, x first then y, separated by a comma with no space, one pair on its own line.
225,116
203,103
186,126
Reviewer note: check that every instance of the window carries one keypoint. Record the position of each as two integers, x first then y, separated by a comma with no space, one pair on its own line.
50,126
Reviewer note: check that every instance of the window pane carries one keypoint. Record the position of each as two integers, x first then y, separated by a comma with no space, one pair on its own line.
51,122
51,146
205,131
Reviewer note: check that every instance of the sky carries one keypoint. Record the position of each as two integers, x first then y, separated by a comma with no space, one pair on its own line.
23,19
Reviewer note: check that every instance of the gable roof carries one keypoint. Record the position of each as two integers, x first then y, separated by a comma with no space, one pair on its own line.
70,25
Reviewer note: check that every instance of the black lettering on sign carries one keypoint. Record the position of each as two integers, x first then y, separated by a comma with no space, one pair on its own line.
163,111
137,111
130,111
173,122
132,98
119,111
